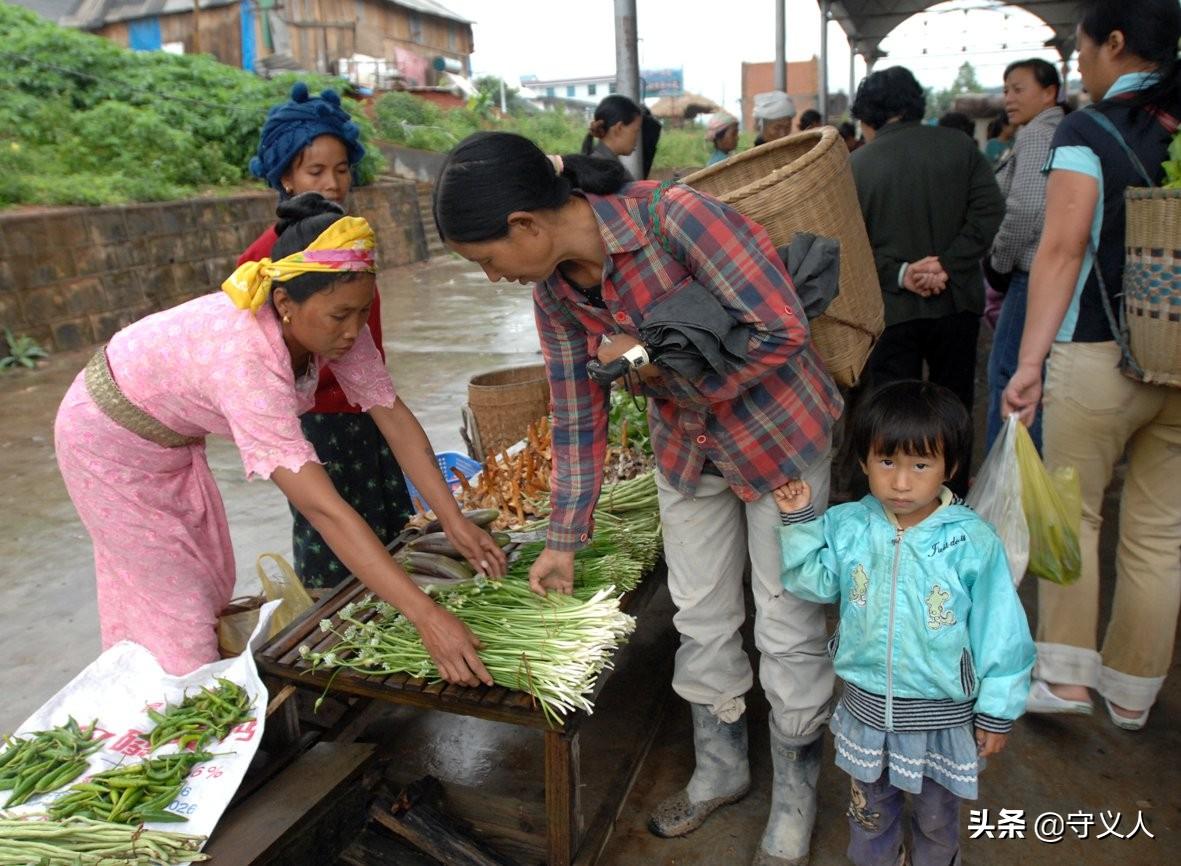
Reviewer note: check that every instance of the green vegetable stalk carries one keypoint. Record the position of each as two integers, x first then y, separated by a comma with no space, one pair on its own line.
83,842
205,717
45,761
134,794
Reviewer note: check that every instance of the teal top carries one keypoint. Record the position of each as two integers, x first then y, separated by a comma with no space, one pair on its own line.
919,607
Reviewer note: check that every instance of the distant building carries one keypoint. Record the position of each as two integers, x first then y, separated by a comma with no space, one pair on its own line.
803,87
575,92
411,35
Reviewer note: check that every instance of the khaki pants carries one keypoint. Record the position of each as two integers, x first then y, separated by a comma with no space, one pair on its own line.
1093,415
708,539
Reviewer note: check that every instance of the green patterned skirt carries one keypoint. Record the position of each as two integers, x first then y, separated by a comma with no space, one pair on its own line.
367,477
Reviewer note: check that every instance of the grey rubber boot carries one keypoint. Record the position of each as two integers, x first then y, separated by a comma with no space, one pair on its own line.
788,837
721,777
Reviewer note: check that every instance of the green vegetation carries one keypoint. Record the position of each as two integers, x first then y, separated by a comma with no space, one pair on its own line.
414,122
84,121
939,102
22,350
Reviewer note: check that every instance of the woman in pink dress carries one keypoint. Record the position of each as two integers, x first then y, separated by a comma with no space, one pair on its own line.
244,363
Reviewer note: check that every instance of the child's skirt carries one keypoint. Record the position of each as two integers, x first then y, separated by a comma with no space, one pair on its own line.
946,756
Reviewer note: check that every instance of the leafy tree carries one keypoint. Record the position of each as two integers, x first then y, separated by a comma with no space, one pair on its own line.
940,102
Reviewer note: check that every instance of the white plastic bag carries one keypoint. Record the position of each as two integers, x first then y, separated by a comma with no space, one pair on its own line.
117,688
996,496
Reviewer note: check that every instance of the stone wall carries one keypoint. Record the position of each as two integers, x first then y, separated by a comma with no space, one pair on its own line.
72,277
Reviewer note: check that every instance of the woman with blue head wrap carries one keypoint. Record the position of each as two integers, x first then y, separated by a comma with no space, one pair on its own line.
310,144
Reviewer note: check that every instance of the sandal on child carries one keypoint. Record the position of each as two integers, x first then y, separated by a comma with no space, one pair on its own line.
1042,700
1127,723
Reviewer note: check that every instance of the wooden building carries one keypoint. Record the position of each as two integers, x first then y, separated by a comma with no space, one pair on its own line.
301,34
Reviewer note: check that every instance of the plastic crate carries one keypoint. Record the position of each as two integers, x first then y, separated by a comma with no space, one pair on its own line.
447,460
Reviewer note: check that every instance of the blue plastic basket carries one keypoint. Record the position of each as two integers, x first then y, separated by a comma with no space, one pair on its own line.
448,460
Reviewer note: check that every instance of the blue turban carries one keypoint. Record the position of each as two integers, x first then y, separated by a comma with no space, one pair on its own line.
292,126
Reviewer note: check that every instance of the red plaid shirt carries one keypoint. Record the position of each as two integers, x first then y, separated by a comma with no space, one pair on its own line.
760,425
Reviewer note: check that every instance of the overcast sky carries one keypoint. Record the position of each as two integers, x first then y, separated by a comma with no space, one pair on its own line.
557,38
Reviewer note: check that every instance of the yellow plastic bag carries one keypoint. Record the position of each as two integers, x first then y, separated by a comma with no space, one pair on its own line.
236,625
1053,505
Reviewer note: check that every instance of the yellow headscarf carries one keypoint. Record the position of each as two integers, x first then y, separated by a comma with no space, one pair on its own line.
346,245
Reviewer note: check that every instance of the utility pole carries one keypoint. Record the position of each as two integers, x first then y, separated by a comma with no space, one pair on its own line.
781,45
627,73
196,26
822,78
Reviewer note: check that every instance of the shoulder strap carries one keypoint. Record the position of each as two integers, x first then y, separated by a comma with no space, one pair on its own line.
1107,126
657,225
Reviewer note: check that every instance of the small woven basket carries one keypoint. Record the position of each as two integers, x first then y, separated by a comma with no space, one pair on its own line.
1152,282
803,183
504,403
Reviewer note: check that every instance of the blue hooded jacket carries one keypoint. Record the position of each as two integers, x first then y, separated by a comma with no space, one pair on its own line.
926,612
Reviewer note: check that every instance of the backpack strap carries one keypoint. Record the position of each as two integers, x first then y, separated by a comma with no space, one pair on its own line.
1118,322
1107,126
657,225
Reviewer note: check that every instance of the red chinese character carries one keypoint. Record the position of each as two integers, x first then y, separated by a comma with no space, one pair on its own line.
245,731
101,734
132,744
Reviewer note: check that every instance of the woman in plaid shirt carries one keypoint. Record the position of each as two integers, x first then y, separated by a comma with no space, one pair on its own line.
723,442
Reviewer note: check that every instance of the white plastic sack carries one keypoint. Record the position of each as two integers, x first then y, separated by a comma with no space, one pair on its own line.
119,686
996,496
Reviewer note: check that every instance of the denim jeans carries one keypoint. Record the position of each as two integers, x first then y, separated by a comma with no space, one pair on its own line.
1002,361
876,824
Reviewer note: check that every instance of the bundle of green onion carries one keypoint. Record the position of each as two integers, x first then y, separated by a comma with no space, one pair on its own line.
553,648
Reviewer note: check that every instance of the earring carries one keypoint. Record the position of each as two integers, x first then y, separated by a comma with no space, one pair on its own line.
286,319
289,190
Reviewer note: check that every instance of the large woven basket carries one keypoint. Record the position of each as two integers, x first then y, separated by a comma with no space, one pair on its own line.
504,403
1152,282
803,183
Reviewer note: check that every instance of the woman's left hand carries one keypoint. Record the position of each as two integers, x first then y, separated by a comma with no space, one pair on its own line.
477,547
1023,394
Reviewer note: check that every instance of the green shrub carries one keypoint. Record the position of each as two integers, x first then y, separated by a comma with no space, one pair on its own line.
95,123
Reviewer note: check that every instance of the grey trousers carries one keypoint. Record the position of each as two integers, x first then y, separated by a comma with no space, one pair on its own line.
708,539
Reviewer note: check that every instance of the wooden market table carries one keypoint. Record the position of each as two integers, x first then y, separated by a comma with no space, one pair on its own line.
569,841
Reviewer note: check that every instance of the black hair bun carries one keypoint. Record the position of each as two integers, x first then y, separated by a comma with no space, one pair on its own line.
301,207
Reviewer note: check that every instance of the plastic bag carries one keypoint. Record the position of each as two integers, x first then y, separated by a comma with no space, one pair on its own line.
234,628
996,497
1053,505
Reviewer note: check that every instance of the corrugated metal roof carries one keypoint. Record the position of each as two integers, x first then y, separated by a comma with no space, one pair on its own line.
90,14
429,7
50,10
95,13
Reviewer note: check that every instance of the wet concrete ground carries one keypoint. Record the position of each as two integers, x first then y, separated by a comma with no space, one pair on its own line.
444,323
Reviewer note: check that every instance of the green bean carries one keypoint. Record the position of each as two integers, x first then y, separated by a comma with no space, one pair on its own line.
44,761
130,794
78,841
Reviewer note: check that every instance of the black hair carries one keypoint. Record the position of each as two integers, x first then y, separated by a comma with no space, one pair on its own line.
1151,31
893,92
810,118
614,109
997,125
302,219
490,175
921,419
959,120
1043,73
847,130
650,130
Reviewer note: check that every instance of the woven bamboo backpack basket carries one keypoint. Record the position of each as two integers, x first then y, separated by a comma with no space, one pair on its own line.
803,183
1152,283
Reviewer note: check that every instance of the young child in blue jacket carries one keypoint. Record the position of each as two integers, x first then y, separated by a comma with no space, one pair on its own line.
933,645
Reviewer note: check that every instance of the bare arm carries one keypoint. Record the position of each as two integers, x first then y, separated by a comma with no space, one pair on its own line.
451,645
415,455
1071,199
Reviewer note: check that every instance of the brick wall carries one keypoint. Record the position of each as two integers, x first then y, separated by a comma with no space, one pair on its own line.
72,277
